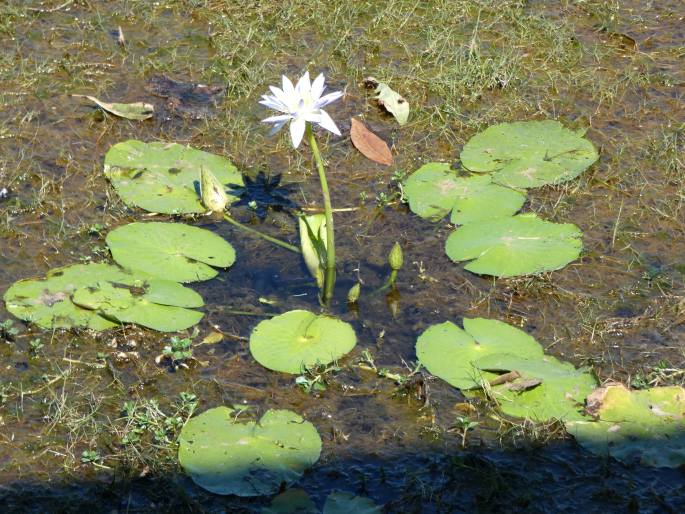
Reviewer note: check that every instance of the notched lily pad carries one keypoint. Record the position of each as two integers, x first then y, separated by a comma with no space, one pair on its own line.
646,427
158,304
448,352
529,153
227,456
164,177
544,388
435,189
173,251
300,338
509,247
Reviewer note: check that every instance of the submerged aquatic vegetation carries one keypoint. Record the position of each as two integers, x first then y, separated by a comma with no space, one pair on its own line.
226,456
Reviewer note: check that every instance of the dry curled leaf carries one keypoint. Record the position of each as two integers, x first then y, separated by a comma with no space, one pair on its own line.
369,144
135,111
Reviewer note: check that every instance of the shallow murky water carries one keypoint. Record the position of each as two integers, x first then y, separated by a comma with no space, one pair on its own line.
620,308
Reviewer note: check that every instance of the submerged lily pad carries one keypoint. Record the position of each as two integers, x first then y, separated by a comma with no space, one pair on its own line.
339,502
646,427
448,352
155,303
48,302
545,389
509,247
226,456
299,338
173,251
164,177
435,189
292,501
529,153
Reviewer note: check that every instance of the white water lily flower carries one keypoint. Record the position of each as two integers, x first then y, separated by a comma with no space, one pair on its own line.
300,104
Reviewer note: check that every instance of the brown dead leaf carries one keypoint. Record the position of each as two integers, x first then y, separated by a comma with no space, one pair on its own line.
369,144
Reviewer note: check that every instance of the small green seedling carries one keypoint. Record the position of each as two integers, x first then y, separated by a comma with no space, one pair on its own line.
178,352
7,331
315,377
462,425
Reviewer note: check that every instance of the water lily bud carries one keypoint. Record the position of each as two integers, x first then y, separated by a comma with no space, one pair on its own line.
353,294
213,195
396,259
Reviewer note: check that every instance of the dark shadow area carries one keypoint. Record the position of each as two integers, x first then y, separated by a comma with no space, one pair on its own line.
557,478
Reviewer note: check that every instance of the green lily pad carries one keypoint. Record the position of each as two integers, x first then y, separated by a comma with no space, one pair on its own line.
547,388
339,502
164,177
509,247
292,501
48,302
300,338
435,189
226,456
155,303
646,427
529,153
173,251
448,352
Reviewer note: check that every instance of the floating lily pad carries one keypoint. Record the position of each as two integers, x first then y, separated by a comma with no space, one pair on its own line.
227,456
435,189
300,338
646,427
154,303
509,247
529,153
448,352
551,389
164,177
293,501
173,251
339,502
48,302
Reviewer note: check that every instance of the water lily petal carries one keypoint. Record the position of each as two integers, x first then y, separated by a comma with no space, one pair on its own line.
288,88
326,99
303,85
328,123
277,119
318,87
297,127
280,96
277,126
273,103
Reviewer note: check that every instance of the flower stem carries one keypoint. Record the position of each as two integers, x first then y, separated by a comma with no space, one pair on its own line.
273,240
329,282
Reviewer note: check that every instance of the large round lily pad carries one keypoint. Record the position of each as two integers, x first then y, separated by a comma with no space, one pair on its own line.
154,303
435,189
509,247
227,456
529,153
448,352
545,389
164,177
48,302
299,338
173,251
646,427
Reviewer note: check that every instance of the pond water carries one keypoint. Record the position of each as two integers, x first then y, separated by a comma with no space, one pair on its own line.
617,68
